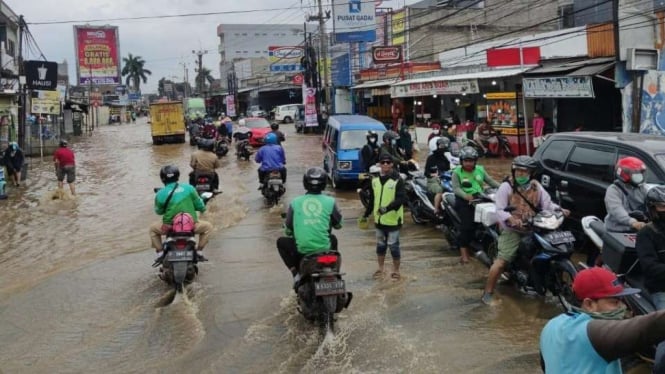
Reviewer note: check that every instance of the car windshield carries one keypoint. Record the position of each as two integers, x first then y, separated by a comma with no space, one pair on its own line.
355,139
257,123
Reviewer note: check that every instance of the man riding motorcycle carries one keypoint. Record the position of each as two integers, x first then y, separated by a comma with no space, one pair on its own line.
274,128
309,220
526,196
475,176
176,198
271,157
485,135
204,160
649,246
437,161
369,154
625,196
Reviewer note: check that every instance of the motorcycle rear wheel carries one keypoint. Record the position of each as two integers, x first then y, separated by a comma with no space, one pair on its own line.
564,274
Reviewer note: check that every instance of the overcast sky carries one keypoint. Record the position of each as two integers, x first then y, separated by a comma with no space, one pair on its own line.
163,43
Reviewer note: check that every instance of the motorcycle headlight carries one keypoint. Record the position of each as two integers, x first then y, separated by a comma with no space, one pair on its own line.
548,220
344,165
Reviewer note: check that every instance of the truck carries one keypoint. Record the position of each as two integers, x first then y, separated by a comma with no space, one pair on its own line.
167,122
195,107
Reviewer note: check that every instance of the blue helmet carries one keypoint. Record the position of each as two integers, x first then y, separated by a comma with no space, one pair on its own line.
270,138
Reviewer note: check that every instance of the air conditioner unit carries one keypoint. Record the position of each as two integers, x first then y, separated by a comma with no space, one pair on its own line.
641,59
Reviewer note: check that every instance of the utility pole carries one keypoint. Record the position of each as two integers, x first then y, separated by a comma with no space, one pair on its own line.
323,50
199,77
21,88
185,78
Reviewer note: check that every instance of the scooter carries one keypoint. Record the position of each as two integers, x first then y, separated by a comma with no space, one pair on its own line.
503,147
243,150
221,147
273,188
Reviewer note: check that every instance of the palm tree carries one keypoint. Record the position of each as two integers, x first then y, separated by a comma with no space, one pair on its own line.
201,76
135,72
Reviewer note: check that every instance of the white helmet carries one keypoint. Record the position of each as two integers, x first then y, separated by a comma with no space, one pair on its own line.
241,122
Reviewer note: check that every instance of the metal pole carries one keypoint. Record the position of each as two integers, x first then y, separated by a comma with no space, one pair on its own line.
21,88
526,121
323,42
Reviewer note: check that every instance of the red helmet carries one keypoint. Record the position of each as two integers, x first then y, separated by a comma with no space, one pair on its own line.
627,166
183,223
436,126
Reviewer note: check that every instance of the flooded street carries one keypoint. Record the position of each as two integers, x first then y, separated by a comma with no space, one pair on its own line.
77,292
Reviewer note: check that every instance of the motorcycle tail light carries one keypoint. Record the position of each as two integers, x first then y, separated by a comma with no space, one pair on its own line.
326,259
203,180
181,244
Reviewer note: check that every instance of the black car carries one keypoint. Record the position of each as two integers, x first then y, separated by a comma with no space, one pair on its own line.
579,166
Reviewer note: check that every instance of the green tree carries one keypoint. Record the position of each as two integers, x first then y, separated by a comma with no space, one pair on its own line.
201,77
135,72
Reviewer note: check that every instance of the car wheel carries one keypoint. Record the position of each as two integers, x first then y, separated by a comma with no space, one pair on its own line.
287,119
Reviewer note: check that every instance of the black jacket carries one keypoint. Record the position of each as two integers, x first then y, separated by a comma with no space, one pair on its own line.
440,160
651,252
369,156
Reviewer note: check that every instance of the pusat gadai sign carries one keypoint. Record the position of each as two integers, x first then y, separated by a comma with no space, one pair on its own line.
353,21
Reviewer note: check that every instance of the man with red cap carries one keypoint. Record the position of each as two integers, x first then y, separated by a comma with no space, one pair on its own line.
593,337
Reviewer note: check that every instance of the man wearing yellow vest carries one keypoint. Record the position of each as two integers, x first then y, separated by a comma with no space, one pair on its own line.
388,196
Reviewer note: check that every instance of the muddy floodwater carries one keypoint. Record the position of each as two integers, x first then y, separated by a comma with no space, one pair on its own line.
78,294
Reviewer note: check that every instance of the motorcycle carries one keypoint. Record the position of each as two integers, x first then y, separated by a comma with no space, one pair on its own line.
619,256
221,147
420,201
365,179
243,150
321,292
180,260
503,147
273,187
203,183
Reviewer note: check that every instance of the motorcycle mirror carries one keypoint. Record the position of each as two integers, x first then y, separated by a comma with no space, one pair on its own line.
283,215
156,189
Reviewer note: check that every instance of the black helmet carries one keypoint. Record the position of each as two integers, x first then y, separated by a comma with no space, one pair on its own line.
655,196
433,170
468,153
443,143
372,134
169,174
315,180
389,136
525,162
63,143
274,126
206,144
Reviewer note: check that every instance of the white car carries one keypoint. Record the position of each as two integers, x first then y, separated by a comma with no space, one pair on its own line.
256,111
287,113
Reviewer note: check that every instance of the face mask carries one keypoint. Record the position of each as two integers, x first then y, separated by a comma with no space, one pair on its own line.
637,178
372,140
522,180
616,314
436,131
393,142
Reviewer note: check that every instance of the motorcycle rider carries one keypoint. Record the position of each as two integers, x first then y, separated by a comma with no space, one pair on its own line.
204,160
242,132
485,135
209,130
436,132
271,157
387,197
526,196
176,198
274,128
308,223
626,195
369,154
389,146
593,337
469,172
405,143
649,246
439,161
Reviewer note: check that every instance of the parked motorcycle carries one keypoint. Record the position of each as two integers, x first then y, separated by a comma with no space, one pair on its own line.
180,260
221,147
243,150
321,291
619,255
273,188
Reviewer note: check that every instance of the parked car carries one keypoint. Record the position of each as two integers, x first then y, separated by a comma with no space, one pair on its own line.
287,113
579,166
256,111
258,127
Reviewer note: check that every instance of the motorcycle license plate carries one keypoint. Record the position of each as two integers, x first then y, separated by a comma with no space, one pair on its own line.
176,256
202,187
323,288
560,237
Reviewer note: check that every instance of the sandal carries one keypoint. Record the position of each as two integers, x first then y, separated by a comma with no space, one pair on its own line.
395,276
378,274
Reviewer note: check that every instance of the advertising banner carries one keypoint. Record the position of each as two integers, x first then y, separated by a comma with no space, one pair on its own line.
230,106
354,21
386,55
558,87
457,87
398,27
341,71
97,55
46,102
285,59
311,119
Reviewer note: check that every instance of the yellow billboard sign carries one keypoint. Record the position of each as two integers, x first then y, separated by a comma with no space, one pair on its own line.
398,27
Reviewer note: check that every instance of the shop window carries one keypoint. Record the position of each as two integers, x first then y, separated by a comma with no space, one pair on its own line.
593,162
556,153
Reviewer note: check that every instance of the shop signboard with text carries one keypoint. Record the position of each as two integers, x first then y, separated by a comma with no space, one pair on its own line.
41,75
97,55
558,87
230,106
311,119
46,102
354,21
435,88
398,27
285,58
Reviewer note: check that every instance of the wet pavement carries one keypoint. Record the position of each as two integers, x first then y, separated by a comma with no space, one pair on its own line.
77,291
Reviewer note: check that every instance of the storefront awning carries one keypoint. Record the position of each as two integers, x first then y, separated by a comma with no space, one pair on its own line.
591,66
466,83
372,84
568,80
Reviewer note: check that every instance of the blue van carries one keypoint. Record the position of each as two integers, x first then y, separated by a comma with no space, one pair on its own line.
343,138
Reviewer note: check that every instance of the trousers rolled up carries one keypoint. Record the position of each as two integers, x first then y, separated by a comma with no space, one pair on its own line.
201,228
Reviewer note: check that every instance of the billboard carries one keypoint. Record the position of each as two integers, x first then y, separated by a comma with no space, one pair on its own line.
354,21
341,71
97,55
285,59
398,27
